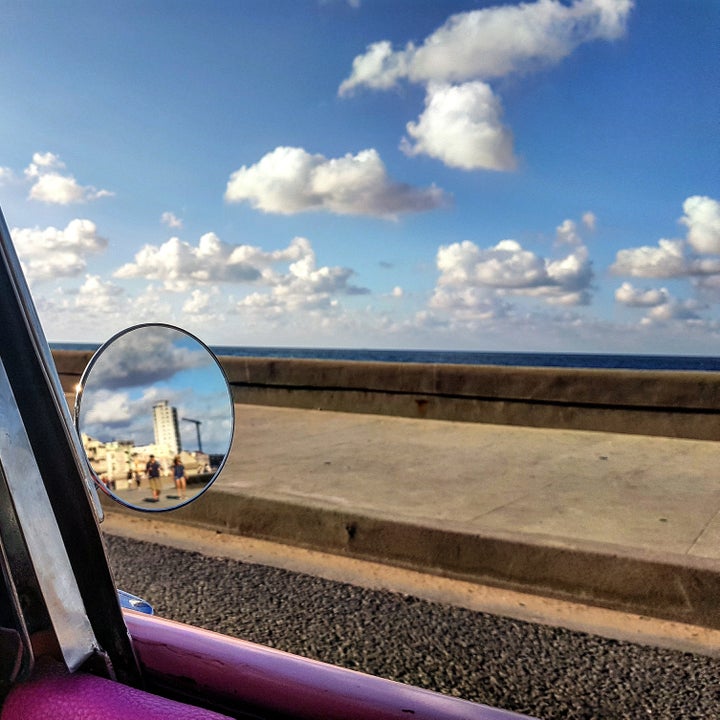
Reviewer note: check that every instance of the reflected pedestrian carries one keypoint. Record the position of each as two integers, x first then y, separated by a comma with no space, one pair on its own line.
152,468
180,478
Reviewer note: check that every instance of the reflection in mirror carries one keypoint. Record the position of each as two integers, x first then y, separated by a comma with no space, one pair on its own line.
155,415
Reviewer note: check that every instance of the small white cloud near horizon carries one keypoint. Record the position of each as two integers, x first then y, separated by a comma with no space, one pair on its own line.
290,180
695,258
661,306
628,294
475,278
50,186
678,258
53,253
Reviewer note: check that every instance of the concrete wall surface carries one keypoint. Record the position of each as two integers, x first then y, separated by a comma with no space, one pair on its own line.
662,403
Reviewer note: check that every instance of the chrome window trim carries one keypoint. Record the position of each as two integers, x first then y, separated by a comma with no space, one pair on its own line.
41,534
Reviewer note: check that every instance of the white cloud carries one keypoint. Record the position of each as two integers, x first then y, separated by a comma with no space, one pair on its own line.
589,221
461,124
678,258
462,127
198,302
290,180
691,258
6,175
567,233
627,294
304,286
288,279
492,43
702,218
468,303
661,306
379,68
471,277
50,186
53,253
106,407
171,220
667,260
683,310
179,265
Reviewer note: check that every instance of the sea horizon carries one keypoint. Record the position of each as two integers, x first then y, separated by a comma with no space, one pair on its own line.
607,361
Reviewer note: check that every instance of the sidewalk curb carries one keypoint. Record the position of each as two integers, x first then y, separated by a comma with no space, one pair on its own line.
667,586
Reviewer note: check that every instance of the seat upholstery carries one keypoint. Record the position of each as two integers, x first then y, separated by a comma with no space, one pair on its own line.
55,694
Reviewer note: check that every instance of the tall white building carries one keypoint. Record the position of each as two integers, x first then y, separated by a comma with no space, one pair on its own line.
165,425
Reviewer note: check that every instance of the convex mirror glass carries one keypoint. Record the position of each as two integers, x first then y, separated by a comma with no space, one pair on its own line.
155,415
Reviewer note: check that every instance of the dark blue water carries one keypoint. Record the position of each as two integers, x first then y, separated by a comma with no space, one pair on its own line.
563,360
566,360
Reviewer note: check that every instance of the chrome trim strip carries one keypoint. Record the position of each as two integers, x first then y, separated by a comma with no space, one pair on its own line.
42,535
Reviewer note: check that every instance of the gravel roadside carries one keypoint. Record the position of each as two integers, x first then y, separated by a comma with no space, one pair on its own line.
544,671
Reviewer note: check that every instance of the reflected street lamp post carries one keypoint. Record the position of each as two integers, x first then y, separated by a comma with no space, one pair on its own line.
197,428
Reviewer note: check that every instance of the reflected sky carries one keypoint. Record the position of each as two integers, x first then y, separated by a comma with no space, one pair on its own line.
147,365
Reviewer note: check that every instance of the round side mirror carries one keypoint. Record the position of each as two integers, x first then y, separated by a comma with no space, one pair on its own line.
155,415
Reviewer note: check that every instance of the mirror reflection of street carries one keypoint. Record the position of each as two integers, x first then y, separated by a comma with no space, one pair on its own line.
131,494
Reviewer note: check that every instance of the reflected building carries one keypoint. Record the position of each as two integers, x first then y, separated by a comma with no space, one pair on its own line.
166,428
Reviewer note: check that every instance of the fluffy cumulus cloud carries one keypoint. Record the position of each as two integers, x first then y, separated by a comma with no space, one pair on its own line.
51,185
661,306
491,43
667,260
702,218
696,257
674,309
462,127
291,180
628,294
54,253
473,48
179,265
303,286
474,278
286,279
98,297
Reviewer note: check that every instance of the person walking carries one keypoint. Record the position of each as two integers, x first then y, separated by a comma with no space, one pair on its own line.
180,477
152,469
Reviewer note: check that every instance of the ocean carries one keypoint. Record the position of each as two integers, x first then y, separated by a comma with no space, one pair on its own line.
455,357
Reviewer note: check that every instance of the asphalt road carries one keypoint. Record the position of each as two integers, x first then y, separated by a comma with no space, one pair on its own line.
542,671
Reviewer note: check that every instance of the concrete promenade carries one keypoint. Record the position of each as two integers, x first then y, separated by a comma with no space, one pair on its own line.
600,487
629,522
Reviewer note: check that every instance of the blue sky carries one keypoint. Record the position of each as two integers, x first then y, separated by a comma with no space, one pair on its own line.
376,173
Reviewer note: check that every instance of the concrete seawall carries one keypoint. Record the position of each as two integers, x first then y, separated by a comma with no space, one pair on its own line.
668,404
626,516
